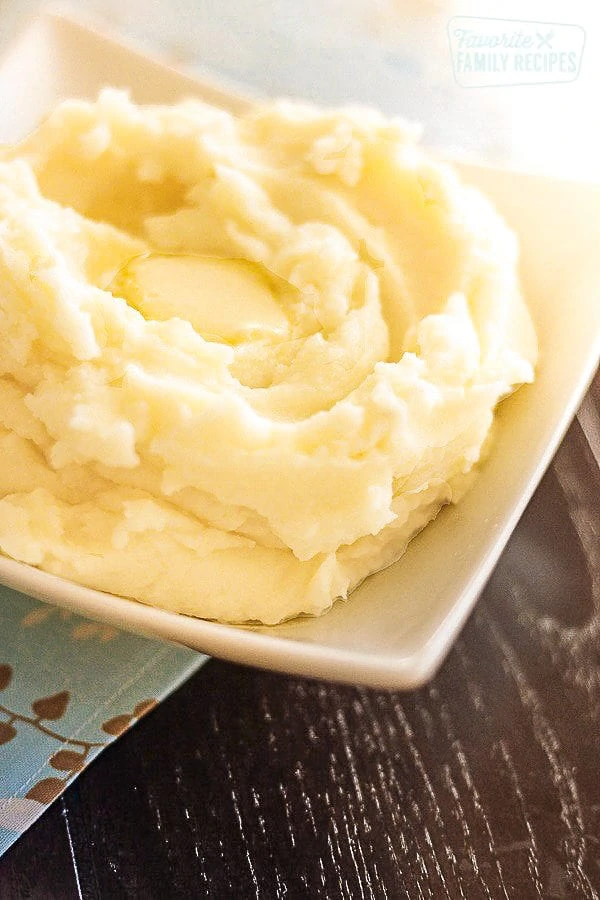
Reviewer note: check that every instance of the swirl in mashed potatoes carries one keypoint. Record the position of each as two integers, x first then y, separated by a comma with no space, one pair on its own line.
243,359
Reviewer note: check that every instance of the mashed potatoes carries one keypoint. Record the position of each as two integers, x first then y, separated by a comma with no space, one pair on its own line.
243,360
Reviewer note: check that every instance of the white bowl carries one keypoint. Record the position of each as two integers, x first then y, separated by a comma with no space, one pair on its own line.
396,628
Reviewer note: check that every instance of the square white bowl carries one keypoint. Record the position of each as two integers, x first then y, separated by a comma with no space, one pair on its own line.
395,629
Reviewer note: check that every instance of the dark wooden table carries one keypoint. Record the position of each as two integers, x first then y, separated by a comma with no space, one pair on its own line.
484,784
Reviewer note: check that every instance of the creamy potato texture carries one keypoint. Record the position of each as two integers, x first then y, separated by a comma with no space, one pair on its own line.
243,360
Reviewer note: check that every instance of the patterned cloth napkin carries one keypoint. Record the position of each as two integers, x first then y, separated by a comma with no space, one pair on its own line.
68,688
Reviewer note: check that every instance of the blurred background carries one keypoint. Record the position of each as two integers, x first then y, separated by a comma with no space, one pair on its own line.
393,54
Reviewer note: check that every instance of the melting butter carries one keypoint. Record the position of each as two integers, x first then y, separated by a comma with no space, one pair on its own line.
227,300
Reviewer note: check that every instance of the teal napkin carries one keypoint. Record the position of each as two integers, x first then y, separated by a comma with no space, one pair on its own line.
68,688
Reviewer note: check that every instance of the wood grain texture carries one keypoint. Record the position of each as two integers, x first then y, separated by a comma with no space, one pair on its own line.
483,784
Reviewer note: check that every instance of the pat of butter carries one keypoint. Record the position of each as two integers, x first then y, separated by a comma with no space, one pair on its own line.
225,300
